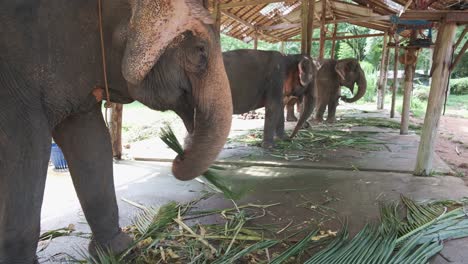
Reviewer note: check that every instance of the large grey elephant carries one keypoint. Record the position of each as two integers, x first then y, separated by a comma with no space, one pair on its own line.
161,53
330,77
262,78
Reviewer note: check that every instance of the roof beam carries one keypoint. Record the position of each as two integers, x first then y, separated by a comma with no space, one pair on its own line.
249,25
343,37
247,3
334,21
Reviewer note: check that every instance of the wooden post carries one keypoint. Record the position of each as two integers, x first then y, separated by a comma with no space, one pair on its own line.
395,75
383,71
384,85
217,16
310,25
322,29
409,76
440,78
304,17
116,130
332,53
282,47
255,47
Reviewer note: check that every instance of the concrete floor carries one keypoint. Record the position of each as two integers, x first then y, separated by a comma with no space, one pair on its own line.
351,183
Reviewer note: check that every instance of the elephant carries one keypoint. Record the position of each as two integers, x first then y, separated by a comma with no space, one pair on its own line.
330,77
260,78
54,60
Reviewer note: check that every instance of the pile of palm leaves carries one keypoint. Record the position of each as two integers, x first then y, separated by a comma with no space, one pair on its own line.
375,122
163,236
307,143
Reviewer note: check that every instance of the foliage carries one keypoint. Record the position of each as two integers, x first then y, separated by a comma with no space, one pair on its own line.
459,86
411,237
421,92
371,78
461,69
352,48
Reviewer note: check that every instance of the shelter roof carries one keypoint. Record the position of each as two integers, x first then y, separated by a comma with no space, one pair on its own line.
273,20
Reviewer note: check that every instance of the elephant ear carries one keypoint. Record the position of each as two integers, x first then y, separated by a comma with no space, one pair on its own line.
343,68
306,69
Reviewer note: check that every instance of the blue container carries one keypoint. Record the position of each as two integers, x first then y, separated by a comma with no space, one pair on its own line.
57,158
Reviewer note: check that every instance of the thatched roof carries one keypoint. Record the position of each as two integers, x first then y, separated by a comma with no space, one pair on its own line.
274,21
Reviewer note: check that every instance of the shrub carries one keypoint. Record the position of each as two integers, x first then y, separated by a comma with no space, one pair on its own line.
371,78
459,86
421,92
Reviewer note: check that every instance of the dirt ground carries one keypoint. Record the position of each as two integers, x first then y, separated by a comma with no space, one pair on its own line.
452,143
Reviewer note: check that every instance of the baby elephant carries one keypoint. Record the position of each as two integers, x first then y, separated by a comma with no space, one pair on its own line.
261,79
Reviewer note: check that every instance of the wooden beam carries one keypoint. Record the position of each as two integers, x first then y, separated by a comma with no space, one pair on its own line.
460,38
115,130
247,24
409,76
248,3
342,37
255,47
395,75
322,30
440,78
408,3
333,21
217,16
383,71
310,26
459,56
304,19
332,52
436,15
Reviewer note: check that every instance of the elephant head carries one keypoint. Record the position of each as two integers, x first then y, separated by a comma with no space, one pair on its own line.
308,66
172,61
349,72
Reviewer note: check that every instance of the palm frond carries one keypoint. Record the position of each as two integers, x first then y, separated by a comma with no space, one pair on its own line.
167,136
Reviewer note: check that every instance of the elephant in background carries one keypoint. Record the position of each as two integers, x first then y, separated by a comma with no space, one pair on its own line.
161,53
261,79
330,77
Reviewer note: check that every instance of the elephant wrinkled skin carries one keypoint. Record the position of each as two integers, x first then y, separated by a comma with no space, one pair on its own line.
50,64
330,77
262,78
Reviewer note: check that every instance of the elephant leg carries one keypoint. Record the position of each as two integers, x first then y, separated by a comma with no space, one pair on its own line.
332,105
274,115
321,106
85,142
280,127
24,158
290,117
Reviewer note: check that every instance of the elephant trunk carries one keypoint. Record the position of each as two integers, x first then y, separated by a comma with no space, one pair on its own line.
362,86
308,108
213,116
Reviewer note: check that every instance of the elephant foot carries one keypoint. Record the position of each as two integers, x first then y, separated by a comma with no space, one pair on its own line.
316,121
291,118
268,145
117,245
331,120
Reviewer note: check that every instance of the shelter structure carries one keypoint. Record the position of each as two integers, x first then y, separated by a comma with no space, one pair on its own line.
397,21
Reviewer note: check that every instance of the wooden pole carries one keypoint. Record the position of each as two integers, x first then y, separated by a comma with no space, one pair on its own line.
332,53
409,75
322,29
383,71
116,130
395,76
282,47
304,17
310,25
255,42
440,78
217,16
